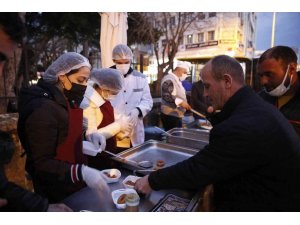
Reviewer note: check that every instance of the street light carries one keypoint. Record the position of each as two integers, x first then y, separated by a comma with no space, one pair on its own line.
273,30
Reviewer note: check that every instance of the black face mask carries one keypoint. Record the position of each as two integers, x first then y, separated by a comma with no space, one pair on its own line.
75,94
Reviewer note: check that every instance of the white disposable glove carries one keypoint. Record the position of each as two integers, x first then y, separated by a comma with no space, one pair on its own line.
97,139
88,148
133,116
94,178
124,123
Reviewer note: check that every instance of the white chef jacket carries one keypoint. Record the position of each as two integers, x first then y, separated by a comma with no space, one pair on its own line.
135,93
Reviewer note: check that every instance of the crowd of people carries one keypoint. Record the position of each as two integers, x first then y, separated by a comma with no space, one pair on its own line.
252,159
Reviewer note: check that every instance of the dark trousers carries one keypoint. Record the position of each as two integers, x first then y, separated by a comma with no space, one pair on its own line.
170,122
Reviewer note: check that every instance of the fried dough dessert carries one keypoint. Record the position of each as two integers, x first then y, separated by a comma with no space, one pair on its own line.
121,199
130,183
160,163
110,176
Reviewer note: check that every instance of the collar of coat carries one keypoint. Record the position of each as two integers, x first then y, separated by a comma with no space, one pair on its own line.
230,106
55,93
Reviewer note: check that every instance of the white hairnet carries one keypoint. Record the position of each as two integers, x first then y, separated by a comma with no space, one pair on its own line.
184,64
108,79
64,64
121,52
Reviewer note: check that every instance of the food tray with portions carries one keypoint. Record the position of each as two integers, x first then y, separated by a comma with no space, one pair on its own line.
153,151
191,138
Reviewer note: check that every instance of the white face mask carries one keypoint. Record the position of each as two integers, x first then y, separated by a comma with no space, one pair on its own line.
123,68
281,89
183,77
107,96
110,97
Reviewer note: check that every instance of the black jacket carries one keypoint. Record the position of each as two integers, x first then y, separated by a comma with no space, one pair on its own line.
19,199
253,159
42,126
291,110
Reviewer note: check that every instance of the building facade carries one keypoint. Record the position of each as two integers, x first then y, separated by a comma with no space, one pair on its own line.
215,33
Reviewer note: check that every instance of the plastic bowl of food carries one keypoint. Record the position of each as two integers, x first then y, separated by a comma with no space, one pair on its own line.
130,180
111,175
119,197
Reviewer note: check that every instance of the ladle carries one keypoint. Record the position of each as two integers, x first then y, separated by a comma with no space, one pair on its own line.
198,113
165,132
145,163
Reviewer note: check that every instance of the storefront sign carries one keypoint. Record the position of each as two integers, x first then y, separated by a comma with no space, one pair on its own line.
200,45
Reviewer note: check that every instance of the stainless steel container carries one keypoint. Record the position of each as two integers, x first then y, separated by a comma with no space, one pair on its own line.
191,138
153,151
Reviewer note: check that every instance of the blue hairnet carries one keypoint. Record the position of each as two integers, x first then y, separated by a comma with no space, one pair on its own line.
64,64
122,52
108,79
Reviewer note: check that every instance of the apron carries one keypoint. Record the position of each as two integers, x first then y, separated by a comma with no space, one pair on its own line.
102,160
71,149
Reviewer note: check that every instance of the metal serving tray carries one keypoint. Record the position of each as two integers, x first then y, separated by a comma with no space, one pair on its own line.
152,151
191,138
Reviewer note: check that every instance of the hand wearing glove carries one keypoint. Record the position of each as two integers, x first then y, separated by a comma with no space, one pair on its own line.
125,125
133,116
94,178
97,139
88,148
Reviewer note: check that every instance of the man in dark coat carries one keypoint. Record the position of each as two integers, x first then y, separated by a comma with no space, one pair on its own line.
277,69
253,158
12,196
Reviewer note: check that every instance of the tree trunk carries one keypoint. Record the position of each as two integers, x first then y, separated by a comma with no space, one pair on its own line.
160,75
85,50
7,86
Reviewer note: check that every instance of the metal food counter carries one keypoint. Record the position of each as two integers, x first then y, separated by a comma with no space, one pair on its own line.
90,200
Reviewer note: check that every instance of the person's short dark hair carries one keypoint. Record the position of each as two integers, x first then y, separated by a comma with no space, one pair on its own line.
12,24
224,64
284,53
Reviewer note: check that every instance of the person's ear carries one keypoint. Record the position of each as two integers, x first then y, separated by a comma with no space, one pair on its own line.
228,80
293,68
64,81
